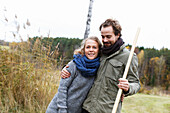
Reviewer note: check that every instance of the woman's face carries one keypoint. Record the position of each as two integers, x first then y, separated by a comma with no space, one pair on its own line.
91,49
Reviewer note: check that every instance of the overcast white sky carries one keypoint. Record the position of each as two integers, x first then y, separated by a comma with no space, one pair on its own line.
67,18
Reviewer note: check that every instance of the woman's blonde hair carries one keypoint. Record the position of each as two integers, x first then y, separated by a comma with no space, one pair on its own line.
82,47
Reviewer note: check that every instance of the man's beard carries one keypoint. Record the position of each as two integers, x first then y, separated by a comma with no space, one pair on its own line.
108,50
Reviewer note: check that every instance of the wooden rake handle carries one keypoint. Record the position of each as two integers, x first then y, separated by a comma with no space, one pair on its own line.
126,71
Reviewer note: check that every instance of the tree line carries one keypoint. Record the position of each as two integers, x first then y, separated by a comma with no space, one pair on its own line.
154,64
154,67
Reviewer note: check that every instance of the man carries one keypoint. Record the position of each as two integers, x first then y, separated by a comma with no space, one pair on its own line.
102,95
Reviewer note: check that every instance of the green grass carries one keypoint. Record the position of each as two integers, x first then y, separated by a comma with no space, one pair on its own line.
4,47
142,103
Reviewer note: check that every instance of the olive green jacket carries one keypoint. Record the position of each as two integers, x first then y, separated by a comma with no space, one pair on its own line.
103,93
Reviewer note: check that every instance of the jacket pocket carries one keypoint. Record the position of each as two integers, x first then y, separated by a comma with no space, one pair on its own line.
115,69
113,73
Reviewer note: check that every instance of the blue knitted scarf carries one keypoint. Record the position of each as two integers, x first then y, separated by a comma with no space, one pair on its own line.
87,67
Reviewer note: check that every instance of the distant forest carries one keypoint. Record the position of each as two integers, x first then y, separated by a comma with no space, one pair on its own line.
64,46
154,64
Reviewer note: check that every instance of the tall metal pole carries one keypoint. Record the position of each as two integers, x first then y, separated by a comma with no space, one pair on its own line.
87,31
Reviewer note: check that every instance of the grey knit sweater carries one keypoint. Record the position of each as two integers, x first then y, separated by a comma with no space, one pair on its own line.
71,92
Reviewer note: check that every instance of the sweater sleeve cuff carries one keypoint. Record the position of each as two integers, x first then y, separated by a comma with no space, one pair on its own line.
62,110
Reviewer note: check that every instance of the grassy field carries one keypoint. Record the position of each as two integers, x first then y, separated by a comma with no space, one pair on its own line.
142,103
4,47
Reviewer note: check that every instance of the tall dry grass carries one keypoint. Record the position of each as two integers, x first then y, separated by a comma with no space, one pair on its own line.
28,78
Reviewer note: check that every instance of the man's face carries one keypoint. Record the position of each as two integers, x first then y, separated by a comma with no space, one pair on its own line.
108,36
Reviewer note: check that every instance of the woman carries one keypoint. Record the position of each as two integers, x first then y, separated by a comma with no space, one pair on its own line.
72,91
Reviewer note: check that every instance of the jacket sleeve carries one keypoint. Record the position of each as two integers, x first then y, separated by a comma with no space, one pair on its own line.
63,89
133,77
